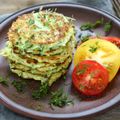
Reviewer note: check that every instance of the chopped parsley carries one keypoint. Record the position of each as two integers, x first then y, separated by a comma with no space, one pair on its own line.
31,22
59,99
108,26
85,38
93,49
41,92
89,26
39,107
19,85
83,70
98,23
92,74
108,66
3,81
86,26
81,87
64,77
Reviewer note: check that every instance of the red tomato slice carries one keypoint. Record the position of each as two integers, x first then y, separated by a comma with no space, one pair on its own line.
90,78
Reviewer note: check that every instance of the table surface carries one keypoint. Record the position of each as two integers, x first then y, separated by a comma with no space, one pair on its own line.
112,114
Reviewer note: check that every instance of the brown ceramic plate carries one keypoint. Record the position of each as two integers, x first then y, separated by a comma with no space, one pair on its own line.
23,103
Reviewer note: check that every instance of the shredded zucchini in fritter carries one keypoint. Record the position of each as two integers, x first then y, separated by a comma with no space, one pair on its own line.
40,45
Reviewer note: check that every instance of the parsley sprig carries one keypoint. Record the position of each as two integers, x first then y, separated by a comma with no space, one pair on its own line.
83,70
41,92
31,22
88,26
93,49
3,81
108,26
85,38
59,99
19,85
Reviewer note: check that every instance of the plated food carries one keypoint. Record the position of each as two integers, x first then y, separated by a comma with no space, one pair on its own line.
90,77
97,62
102,51
52,76
40,46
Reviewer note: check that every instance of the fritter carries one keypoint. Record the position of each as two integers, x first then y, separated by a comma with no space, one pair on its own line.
40,45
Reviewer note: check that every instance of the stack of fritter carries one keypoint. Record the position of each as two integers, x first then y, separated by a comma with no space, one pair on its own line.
40,46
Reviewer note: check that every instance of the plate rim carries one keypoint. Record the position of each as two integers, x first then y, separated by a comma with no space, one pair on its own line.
69,4
33,113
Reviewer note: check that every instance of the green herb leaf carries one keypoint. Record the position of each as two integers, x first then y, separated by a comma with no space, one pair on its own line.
64,78
86,26
81,87
83,39
98,23
93,49
3,81
82,71
92,74
89,26
59,99
31,22
19,85
41,92
108,26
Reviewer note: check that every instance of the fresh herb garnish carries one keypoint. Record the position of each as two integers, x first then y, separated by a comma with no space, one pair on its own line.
32,36
89,26
39,107
60,99
98,23
92,74
19,85
41,92
108,26
3,81
83,39
82,71
93,49
86,26
64,78
31,21
81,87
108,66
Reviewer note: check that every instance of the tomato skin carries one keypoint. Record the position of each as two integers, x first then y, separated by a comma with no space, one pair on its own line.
91,80
114,40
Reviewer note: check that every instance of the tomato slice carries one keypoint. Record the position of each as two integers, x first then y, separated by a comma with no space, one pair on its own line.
90,78
102,51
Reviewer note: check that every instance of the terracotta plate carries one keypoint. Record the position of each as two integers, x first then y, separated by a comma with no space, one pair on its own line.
23,103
